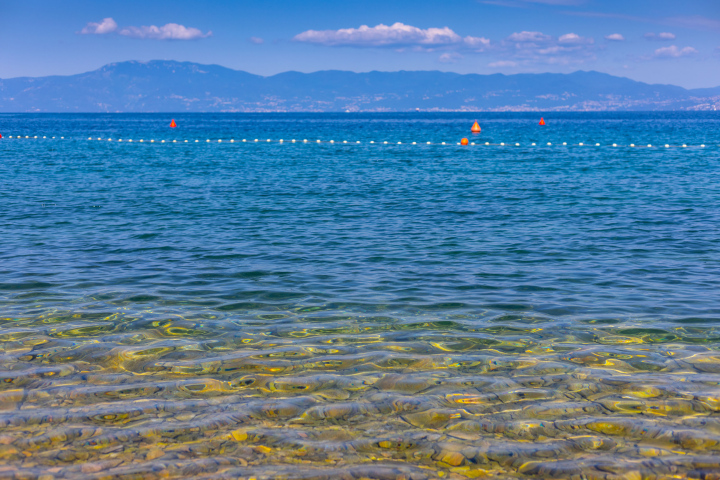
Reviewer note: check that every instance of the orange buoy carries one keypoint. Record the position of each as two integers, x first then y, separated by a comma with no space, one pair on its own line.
173,124
475,128
542,121
464,141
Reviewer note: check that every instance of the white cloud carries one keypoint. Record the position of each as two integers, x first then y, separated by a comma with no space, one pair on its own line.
170,31
674,52
615,37
525,47
525,37
450,57
663,36
502,64
536,47
396,35
256,40
574,39
108,25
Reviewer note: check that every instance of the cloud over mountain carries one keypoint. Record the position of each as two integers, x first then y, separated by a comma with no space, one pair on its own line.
108,25
170,31
397,35
674,52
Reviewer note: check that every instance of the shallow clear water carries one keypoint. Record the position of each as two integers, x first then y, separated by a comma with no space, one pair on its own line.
364,310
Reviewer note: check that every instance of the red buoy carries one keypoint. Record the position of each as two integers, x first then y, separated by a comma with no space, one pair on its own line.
0,136
464,141
173,124
475,128
542,121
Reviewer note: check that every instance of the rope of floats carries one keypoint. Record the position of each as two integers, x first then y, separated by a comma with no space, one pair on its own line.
371,142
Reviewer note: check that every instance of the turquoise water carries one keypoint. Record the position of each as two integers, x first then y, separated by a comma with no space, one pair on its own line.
238,310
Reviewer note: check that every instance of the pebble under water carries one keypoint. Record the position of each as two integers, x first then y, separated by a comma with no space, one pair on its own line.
360,311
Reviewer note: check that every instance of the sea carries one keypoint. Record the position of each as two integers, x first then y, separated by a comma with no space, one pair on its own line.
288,296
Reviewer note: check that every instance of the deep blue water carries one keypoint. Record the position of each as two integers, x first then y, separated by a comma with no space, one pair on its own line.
197,252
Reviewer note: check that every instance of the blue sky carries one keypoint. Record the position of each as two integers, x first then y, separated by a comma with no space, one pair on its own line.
655,41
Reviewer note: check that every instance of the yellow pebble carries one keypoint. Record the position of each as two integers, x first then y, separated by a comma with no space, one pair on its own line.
453,458
239,435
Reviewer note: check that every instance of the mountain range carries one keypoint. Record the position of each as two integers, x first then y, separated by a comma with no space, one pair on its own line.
169,86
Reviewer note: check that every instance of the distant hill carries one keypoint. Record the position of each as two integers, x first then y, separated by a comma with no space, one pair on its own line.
168,86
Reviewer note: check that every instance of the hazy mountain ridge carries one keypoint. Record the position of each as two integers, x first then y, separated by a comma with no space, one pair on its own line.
168,86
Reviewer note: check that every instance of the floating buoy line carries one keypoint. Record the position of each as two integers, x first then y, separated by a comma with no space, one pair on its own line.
464,142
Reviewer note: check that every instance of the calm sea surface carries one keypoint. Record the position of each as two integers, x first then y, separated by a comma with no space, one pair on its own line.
278,310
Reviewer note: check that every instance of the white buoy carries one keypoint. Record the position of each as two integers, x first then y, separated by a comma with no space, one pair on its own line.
244,139
174,141
372,141
702,146
649,145
502,144
256,140
487,143
344,141
429,143
109,139
517,144
332,141
684,146
399,143
667,146
35,136
318,141
385,143
152,141
207,141
162,141
268,140
219,141
472,143
293,140
120,140
597,144
358,141
281,140
185,141
614,144
632,144
564,143
549,143
90,138
44,136
414,143
580,144
62,138
197,141
28,136
141,140
532,144
443,143
130,140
